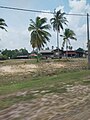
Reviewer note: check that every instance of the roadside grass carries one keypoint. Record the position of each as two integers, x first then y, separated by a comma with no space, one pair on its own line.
45,81
44,85
42,82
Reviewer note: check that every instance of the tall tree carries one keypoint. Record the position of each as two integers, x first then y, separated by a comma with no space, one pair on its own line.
67,36
3,24
39,32
57,21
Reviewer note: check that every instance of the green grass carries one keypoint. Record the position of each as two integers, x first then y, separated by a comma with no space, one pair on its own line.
54,82
45,81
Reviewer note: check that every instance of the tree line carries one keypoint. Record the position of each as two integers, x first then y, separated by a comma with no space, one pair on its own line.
12,54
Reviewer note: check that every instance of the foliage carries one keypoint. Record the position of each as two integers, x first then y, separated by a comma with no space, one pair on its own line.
57,21
39,34
22,51
67,36
3,57
3,24
14,53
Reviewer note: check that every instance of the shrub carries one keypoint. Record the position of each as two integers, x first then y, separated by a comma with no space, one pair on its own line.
3,57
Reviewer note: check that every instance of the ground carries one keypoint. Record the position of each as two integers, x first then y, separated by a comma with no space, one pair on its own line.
48,90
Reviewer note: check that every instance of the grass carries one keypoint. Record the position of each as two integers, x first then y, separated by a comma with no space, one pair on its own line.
18,61
46,81
54,84
50,83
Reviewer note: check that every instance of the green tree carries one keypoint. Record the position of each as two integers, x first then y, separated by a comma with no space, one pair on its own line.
57,21
7,53
67,36
23,51
14,53
39,32
3,24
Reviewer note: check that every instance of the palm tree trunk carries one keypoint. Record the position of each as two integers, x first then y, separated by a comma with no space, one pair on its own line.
57,39
66,49
58,43
88,41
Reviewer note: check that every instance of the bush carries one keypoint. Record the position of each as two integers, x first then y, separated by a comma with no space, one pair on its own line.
3,57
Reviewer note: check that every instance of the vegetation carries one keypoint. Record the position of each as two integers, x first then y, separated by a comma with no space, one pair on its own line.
3,57
67,36
57,21
3,24
39,34
14,53
13,84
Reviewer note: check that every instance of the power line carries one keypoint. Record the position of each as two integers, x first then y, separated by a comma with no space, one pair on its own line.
30,10
76,14
27,10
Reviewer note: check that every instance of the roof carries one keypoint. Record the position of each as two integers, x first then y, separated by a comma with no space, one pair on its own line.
79,50
45,51
71,52
22,56
33,54
55,50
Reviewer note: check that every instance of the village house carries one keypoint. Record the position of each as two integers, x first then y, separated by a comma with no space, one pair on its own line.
57,53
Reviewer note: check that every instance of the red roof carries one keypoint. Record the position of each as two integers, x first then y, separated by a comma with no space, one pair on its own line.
70,52
32,55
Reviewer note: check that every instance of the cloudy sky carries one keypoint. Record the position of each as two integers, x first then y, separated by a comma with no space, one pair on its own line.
18,21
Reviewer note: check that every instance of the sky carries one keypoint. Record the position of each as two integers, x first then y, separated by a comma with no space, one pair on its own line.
18,21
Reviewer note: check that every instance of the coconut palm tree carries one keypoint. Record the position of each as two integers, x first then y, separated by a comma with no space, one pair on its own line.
3,24
57,21
67,36
39,32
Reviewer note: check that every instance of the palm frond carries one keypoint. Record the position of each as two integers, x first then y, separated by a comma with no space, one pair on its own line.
3,24
39,34
67,36
45,27
3,28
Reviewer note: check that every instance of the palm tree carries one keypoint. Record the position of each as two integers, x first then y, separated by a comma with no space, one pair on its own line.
67,36
57,21
38,31
3,24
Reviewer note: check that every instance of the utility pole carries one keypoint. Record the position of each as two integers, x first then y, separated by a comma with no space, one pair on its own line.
88,41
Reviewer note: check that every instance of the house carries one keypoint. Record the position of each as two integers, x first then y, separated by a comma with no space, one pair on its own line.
70,53
46,53
22,57
56,53
80,52
75,53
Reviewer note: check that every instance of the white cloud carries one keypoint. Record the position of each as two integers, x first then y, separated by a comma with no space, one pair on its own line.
77,5
14,39
78,23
